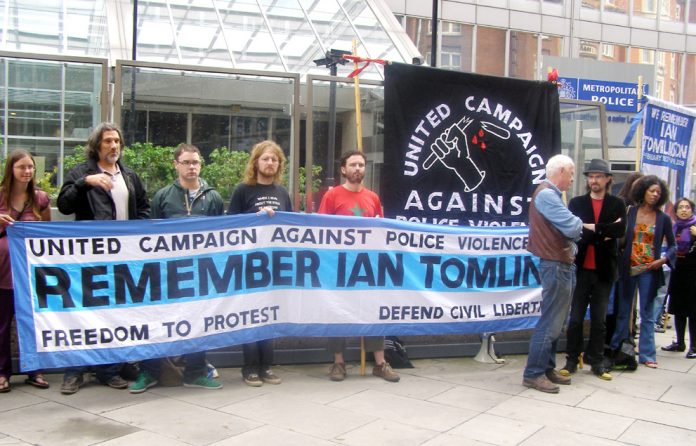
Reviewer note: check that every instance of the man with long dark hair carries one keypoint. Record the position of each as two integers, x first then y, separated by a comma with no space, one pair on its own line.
102,188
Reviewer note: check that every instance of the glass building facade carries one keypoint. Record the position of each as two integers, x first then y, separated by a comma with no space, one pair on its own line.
228,73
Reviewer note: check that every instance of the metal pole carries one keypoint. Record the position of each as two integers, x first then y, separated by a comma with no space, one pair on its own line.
433,49
332,129
132,122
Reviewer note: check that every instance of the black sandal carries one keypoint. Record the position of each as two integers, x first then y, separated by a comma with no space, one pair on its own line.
37,381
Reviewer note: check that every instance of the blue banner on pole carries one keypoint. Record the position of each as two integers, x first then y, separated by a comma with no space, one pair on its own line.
667,138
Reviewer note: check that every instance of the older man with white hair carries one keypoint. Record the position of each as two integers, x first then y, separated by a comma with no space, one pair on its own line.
553,230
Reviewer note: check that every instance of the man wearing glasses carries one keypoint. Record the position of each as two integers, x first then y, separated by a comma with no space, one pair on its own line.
604,222
188,196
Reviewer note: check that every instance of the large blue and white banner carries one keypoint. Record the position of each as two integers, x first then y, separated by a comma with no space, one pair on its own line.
104,292
667,144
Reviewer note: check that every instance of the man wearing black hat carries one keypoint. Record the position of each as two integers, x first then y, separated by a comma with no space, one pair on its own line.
604,221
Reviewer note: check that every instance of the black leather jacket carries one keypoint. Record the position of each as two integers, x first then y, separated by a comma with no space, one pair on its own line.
94,203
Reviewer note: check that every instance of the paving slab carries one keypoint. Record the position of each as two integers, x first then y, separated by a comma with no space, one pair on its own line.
59,425
411,411
495,430
272,435
645,433
299,415
574,419
550,436
440,402
385,432
182,421
641,409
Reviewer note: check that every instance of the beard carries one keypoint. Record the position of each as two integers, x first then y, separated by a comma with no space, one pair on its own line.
268,173
355,177
111,158
596,188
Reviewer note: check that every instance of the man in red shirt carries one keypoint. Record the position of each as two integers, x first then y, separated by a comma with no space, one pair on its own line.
353,199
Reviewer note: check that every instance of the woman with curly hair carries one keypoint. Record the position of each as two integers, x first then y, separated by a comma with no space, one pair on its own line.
640,265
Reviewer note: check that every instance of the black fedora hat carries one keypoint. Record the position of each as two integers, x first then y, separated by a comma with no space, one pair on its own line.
598,166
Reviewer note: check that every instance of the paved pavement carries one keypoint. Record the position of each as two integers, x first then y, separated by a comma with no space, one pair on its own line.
440,402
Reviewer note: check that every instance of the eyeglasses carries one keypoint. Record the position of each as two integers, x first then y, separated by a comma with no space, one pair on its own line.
24,167
189,163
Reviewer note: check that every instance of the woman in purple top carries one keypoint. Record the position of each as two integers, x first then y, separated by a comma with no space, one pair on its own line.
20,200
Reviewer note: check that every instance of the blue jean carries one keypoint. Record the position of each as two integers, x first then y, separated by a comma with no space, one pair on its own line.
557,285
661,296
647,290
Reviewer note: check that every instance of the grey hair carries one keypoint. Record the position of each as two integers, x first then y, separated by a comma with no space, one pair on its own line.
556,163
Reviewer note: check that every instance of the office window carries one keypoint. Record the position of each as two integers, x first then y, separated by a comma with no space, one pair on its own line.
690,80
607,51
613,53
645,8
617,6
523,55
588,49
456,42
490,47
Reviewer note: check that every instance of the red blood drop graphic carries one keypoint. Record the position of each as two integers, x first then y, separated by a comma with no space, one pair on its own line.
483,145
474,140
481,133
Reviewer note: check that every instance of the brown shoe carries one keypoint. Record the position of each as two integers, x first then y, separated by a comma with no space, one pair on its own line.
385,371
541,383
555,377
337,372
116,382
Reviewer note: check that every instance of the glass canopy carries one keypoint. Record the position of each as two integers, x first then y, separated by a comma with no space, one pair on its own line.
275,35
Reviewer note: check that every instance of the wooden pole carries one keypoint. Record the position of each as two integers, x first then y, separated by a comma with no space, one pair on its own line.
358,112
358,136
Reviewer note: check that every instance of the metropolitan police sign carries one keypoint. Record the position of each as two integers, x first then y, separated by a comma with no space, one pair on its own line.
616,96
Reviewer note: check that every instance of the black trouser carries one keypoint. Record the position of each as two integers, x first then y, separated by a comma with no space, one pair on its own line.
257,356
593,292
680,328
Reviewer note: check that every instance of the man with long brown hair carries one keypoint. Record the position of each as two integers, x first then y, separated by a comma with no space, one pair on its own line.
261,192
102,188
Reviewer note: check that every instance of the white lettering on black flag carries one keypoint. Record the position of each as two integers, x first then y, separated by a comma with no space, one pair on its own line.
465,149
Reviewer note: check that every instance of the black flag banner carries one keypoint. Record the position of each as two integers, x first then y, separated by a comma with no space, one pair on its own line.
465,149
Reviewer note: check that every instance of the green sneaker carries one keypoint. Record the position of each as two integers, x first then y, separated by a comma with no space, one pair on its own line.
203,382
142,383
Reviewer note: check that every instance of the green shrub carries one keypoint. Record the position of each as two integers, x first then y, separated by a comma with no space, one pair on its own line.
223,170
